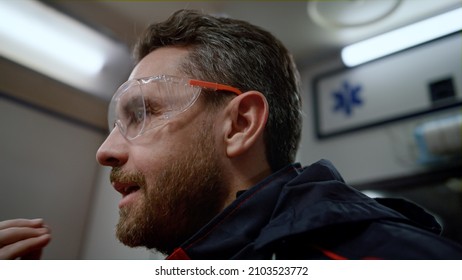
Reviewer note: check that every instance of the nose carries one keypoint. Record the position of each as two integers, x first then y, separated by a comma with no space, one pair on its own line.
113,152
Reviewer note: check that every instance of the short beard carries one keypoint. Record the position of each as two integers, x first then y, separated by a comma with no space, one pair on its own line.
187,193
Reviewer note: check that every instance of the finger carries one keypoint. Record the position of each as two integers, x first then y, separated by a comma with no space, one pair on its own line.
11,235
21,223
24,247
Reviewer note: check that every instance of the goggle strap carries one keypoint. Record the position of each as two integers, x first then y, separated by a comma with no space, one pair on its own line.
214,86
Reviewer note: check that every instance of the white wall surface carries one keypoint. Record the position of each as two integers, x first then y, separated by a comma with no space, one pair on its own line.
47,170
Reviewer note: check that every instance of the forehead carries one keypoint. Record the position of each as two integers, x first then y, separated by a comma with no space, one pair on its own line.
166,60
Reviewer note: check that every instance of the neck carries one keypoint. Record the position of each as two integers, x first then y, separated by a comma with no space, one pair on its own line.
243,175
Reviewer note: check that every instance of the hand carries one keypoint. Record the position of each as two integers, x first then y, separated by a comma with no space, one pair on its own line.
23,238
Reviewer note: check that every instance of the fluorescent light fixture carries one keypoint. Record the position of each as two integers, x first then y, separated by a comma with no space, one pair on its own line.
45,40
402,38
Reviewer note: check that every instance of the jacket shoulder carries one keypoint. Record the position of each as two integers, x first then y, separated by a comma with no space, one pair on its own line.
386,239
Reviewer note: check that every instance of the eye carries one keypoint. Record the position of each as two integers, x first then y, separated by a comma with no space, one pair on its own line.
134,115
139,115
153,109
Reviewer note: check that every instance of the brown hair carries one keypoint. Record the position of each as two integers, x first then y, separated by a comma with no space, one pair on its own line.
237,53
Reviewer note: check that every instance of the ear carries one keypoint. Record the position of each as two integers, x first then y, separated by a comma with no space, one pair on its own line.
247,116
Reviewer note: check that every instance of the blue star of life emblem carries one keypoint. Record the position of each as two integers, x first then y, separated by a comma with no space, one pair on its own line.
347,98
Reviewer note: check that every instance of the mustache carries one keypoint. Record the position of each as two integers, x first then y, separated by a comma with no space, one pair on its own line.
121,176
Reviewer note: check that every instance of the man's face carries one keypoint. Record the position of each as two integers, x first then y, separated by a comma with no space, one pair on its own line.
170,176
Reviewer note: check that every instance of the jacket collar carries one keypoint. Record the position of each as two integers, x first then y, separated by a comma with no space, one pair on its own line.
319,198
289,202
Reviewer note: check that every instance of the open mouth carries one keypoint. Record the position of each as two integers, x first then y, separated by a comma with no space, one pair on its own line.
129,192
130,189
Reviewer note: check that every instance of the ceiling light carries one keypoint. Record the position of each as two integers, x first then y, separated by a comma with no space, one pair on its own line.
45,40
402,38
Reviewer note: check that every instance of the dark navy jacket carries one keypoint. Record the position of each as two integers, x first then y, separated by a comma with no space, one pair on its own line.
311,213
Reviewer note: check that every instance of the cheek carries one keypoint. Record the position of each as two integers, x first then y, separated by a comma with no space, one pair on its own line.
171,142
150,158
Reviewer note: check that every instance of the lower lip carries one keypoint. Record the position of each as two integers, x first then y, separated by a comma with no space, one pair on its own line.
129,199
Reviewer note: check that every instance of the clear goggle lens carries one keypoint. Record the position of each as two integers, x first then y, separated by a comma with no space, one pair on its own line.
142,104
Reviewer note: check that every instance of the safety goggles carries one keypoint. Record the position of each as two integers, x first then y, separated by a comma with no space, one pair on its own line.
142,104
